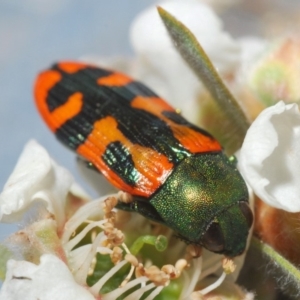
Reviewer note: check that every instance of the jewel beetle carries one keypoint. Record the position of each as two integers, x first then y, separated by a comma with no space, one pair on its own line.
176,172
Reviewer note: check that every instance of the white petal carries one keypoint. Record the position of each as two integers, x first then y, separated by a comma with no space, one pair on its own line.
270,156
159,64
36,177
220,4
51,279
252,48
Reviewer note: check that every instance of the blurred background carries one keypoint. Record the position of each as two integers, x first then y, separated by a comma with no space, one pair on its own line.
36,33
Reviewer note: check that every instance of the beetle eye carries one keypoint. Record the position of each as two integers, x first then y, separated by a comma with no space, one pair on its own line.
247,212
213,239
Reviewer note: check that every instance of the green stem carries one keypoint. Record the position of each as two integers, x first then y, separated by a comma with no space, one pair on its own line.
160,242
189,48
292,273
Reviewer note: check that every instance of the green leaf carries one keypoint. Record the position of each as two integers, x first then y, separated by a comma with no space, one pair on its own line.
192,52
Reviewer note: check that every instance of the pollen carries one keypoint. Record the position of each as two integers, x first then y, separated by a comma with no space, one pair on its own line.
125,197
108,206
193,251
117,255
228,265
157,276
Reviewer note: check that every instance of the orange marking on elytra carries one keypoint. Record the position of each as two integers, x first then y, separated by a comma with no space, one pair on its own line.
67,111
193,141
44,83
154,105
71,67
153,168
114,79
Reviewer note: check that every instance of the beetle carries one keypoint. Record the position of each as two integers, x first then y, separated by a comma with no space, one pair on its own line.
176,172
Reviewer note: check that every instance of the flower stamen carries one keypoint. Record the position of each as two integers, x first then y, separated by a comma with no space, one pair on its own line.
99,284
213,286
119,291
196,271
111,241
84,213
134,263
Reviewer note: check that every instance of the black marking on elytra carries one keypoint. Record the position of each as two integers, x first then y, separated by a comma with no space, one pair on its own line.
179,119
119,160
137,88
99,101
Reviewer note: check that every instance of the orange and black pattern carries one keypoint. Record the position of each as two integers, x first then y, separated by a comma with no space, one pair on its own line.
132,136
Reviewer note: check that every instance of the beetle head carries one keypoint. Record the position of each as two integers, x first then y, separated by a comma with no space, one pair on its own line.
205,200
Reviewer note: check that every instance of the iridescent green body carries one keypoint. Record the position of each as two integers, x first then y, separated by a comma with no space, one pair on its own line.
208,189
205,201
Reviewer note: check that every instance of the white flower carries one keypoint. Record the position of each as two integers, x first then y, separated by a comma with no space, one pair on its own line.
270,156
49,280
221,4
160,66
69,254
36,177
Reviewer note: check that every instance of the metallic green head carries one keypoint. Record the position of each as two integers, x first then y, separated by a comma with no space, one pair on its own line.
205,200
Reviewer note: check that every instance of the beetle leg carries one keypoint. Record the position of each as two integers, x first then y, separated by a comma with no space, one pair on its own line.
142,207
